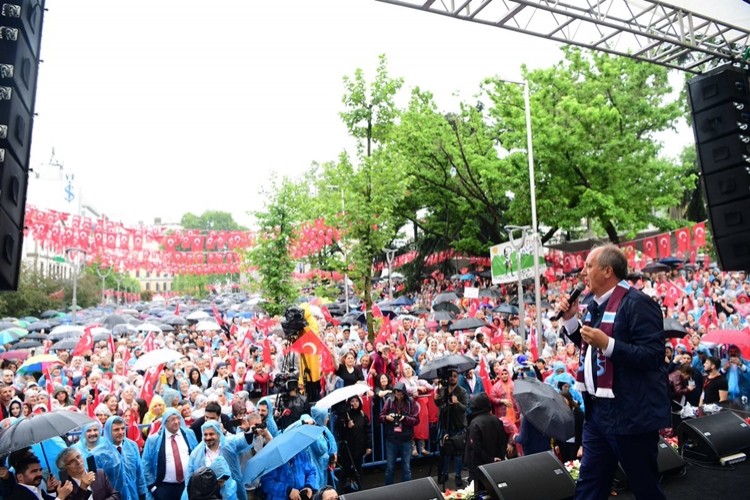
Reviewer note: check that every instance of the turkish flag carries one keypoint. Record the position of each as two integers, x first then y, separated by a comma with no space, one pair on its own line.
133,431
148,342
664,242
85,344
649,247
149,382
217,316
111,343
672,295
267,352
49,385
309,343
699,234
484,375
327,316
376,312
683,239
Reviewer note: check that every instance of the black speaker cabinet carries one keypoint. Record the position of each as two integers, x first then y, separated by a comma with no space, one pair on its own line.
713,436
417,489
668,459
540,475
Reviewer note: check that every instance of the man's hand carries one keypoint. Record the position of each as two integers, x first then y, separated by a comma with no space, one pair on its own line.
308,492
595,337
294,494
569,310
52,483
368,451
87,479
65,490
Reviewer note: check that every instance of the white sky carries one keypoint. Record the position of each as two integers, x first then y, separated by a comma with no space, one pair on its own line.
164,107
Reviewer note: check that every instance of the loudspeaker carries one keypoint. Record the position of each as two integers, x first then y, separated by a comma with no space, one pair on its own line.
720,103
668,460
540,475
417,489
20,41
714,436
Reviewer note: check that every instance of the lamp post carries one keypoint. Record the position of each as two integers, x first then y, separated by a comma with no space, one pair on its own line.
118,279
518,244
103,277
389,253
74,255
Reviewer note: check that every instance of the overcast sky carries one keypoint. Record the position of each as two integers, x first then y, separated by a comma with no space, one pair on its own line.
165,107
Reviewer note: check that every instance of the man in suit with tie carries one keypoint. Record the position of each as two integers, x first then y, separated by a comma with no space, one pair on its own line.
622,376
29,478
87,485
166,455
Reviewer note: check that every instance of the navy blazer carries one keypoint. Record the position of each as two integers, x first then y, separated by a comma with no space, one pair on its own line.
640,385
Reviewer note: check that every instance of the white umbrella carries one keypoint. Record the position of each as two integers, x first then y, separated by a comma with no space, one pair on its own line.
197,315
148,327
65,332
342,394
207,326
155,358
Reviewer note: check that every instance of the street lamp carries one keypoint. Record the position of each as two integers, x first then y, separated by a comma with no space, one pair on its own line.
103,277
74,254
518,244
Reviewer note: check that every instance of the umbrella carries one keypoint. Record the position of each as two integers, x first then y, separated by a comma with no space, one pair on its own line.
545,408
27,344
728,337
673,328
402,301
467,276
342,394
38,326
445,297
113,320
10,335
207,326
457,362
197,315
14,355
506,309
656,267
442,316
43,426
4,325
36,364
148,327
124,329
447,306
175,320
282,448
672,261
65,332
35,336
466,324
49,314
492,293
165,327
156,358
64,344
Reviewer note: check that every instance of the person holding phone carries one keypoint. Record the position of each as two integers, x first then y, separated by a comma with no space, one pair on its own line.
84,483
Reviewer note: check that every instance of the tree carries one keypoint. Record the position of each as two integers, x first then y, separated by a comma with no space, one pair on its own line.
35,294
211,220
594,118
373,185
270,255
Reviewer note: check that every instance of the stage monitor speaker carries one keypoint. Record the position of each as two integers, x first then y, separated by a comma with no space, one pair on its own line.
20,41
417,489
668,460
714,436
540,475
720,103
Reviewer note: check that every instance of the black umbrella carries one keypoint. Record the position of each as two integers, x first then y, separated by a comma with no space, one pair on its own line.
124,329
492,293
506,309
65,344
102,335
656,267
165,327
37,326
442,316
174,320
49,314
466,324
673,328
44,426
35,336
672,261
457,362
113,320
26,344
4,325
445,297
447,306
545,408
420,310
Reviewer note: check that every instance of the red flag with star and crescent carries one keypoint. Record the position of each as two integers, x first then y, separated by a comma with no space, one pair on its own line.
484,375
85,344
699,234
683,239
309,343
664,241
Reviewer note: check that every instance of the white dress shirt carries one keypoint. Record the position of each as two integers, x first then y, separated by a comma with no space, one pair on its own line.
169,472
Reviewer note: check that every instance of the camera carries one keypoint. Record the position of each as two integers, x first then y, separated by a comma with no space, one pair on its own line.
258,428
396,416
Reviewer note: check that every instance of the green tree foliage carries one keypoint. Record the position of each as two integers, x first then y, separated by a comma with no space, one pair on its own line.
374,182
211,220
594,118
271,252
33,295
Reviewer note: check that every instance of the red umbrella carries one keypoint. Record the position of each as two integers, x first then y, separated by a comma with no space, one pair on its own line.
17,355
740,338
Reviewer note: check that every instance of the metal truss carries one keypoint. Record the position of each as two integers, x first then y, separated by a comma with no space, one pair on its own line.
647,30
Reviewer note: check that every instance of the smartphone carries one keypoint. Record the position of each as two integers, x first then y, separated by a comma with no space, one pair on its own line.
63,477
91,464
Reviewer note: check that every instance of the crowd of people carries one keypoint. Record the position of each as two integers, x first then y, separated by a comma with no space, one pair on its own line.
196,434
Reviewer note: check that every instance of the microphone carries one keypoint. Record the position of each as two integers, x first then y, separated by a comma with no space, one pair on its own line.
573,296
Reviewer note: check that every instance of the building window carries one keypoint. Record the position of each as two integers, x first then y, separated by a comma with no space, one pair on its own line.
148,287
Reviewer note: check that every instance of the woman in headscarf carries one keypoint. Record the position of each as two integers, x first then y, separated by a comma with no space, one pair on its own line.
501,397
154,415
354,442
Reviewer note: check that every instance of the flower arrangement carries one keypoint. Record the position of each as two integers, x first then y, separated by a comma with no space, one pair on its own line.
464,494
672,441
573,467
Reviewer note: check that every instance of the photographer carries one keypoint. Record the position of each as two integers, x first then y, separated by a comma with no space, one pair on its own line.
452,400
399,416
261,437
354,440
289,405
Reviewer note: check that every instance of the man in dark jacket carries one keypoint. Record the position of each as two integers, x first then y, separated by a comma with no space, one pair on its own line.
399,415
486,440
452,401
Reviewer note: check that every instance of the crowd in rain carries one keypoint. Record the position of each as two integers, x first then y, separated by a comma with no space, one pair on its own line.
196,426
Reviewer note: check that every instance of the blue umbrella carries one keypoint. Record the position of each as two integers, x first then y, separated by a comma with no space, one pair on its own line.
506,309
467,276
402,301
282,449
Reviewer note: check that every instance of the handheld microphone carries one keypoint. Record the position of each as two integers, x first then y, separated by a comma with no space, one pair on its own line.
573,296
